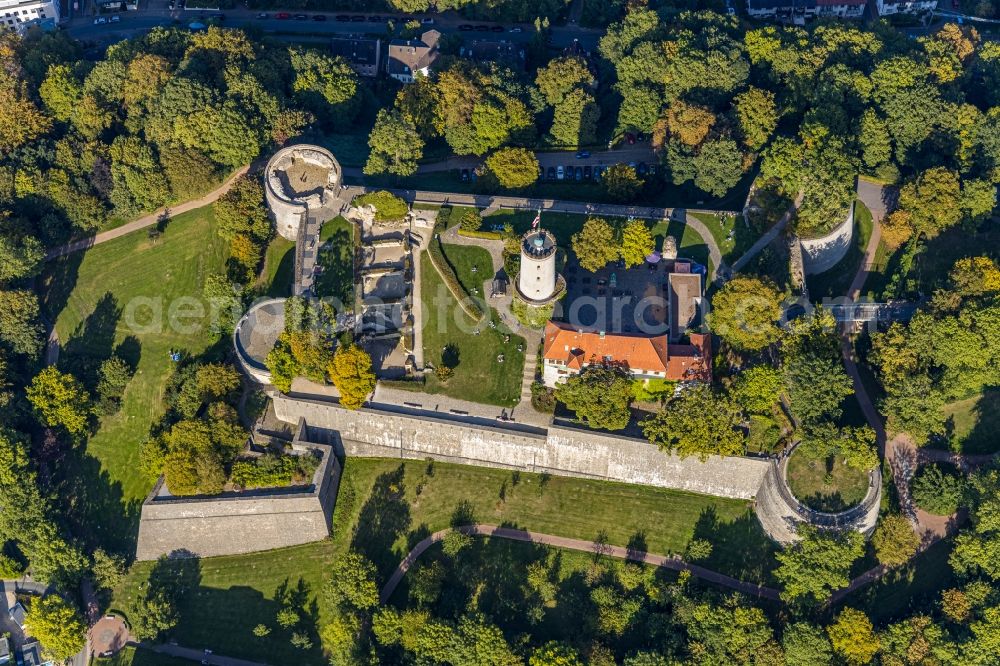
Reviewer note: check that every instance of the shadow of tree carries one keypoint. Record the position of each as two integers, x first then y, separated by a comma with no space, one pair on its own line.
384,517
984,437
740,548
337,278
93,341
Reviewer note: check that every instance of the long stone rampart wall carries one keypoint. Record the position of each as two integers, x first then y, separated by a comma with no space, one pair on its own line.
560,451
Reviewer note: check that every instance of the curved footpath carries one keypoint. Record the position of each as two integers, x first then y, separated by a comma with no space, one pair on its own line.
665,561
146,220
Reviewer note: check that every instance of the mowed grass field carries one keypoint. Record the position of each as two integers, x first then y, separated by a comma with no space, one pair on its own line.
449,335
121,297
132,656
385,506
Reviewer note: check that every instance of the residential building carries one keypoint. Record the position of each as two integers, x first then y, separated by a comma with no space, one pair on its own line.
567,351
885,8
501,52
800,11
363,55
19,14
684,295
31,655
18,615
411,58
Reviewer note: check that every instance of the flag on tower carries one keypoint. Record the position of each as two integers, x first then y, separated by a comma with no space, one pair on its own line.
538,218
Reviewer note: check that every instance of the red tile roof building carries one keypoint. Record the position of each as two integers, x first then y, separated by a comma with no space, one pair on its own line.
567,351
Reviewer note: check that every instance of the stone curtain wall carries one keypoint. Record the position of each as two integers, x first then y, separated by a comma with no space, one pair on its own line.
559,451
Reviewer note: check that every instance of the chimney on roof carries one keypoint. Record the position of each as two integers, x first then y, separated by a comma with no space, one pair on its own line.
602,335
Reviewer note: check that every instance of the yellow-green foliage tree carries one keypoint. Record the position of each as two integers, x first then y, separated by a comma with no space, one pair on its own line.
60,400
637,242
57,625
351,372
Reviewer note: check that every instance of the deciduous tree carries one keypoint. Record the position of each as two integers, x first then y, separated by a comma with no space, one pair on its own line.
60,401
594,245
637,243
811,569
745,313
894,540
57,625
853,637
699,422
513,167
395,144
600,396
351,372
621,182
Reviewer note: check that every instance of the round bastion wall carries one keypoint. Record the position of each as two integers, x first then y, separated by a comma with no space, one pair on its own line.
255,335
823,253
299,179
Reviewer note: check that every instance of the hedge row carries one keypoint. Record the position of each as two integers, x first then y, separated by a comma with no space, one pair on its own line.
270,471
486,235
447,273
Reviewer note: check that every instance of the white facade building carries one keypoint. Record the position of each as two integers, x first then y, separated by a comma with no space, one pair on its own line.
915,7
18,14
800,11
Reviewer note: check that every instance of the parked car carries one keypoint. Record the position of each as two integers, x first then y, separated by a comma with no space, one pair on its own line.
652,169
496,28
262,15
551,173
282,16
482,28
587,174
116,18
343,18
426,21
100,20
516,29
301,17
195,26
643,169
630,138
598,170
217,17
583,154
465,175
319,17
465,27
357,19
579,173
560,173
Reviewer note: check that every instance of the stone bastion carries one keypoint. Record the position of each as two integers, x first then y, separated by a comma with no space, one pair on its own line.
234,523
298,180
823,253
254,337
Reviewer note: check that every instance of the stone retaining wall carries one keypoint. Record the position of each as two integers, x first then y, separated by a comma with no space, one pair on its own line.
560,451
823,253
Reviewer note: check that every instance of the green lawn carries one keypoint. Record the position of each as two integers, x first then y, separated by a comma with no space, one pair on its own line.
742,237
826,485
337,259
132,656
837,280
448,336
279,264
385,506
118,297
975,423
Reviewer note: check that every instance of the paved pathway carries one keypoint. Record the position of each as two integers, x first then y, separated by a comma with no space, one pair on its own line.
665,561
145,221
858,283
486,201
768,236
201,656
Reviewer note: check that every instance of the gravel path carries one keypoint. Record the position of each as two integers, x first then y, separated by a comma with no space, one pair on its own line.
665,561
145,221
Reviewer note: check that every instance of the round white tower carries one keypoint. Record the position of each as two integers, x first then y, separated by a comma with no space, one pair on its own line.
300,180
537,279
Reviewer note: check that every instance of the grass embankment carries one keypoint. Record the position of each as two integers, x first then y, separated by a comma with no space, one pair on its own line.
386,506
975,423
449,335
124,297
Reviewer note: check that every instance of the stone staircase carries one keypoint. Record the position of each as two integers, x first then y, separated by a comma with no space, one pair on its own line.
530,364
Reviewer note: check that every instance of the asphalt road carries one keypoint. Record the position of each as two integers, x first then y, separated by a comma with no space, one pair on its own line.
158,14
